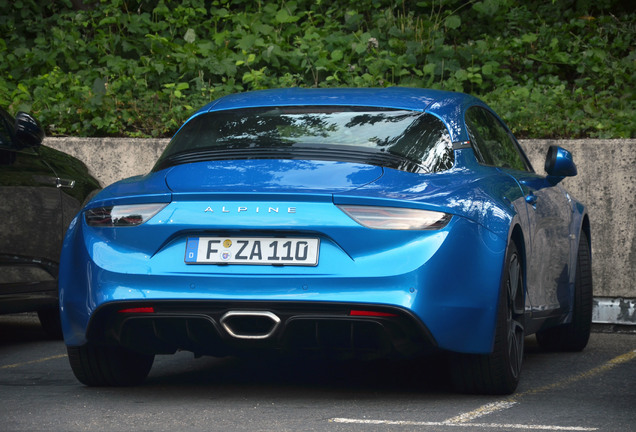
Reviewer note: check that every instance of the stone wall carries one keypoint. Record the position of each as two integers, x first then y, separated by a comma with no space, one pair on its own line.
606,183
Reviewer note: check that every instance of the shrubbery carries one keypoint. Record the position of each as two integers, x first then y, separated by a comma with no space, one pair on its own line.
131,68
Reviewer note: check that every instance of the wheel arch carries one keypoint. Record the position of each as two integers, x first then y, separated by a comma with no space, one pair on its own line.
517,236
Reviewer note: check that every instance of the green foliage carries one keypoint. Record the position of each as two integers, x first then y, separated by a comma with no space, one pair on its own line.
133,68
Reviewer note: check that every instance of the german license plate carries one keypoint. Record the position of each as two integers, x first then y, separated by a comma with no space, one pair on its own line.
252,250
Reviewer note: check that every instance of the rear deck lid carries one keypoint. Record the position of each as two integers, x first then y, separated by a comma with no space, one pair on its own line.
271,176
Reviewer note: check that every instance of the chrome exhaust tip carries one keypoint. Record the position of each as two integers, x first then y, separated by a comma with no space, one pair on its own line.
250,324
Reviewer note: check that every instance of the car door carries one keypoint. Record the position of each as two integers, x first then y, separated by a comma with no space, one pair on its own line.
31,233
547,217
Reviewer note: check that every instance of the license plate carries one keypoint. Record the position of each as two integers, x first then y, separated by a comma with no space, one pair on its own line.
252,250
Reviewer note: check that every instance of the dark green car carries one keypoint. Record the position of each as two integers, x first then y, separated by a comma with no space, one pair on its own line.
41,189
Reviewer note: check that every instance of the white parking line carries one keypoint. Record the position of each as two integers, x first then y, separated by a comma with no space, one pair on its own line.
464,425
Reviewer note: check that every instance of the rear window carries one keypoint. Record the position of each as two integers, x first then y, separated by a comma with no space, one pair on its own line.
401,139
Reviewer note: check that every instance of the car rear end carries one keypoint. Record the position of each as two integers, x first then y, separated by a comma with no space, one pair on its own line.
216,275
263,229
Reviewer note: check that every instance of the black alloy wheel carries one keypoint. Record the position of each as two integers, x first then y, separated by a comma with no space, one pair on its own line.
515,314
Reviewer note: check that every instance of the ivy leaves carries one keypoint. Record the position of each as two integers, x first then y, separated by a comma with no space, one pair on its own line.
131,68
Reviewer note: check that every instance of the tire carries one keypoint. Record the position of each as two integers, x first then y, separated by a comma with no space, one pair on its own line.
51,323
575,335
498,373
109,365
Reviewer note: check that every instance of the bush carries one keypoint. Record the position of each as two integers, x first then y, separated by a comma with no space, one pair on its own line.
129,68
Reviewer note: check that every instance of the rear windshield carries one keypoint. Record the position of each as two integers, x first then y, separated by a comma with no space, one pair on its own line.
400,139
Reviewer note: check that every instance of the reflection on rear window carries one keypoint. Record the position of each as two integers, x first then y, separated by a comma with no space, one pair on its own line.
420,138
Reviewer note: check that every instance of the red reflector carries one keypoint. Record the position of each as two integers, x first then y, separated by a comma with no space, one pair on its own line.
371,313
138,310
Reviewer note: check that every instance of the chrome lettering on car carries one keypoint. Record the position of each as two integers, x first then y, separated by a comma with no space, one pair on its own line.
243,209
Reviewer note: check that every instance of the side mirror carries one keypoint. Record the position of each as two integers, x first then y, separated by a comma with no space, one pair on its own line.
28,132
559,163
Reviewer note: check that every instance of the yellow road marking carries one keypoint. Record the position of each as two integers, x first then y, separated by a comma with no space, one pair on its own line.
512,400
465,419
32,362
624,358
481,411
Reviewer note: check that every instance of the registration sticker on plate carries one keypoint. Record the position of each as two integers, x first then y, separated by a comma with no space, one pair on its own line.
252,250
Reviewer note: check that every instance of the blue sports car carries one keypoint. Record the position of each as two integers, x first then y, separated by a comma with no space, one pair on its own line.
347,223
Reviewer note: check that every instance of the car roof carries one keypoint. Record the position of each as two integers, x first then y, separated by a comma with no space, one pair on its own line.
446,105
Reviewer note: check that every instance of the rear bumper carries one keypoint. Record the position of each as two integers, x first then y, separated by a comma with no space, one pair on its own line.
232,328
446,282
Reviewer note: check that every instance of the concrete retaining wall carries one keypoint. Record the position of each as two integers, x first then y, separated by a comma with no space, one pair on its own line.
606,183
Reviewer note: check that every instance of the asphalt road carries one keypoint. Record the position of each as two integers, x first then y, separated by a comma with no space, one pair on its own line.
590,391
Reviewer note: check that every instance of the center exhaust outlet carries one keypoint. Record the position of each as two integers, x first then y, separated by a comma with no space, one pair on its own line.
250,324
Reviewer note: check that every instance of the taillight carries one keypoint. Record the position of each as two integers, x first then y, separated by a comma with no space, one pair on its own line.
122,215
146,309
371,313
396,218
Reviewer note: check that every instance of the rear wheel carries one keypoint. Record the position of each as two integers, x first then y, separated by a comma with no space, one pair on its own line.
574,335
499,371
109,365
